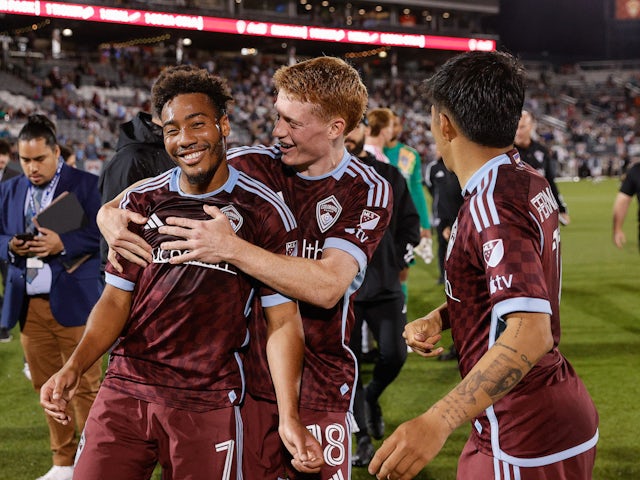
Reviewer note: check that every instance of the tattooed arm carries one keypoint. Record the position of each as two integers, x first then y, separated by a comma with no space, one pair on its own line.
415,443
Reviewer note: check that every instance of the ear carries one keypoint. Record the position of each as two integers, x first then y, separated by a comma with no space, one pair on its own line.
225,125
337,128
447,128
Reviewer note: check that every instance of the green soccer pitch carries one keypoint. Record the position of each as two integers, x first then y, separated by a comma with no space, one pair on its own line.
601,337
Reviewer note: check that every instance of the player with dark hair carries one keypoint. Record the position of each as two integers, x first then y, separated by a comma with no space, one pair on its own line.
531,415
342,207
175,380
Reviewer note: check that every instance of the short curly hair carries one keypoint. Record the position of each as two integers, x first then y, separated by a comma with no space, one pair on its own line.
185,79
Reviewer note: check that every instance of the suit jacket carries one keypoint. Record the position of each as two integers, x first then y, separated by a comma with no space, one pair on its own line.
72,295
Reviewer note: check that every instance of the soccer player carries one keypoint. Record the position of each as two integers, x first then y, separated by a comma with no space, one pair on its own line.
531,415
174,384
630,187
342,207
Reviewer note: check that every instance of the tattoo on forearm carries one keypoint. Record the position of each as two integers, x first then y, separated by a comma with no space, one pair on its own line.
523,357
501,376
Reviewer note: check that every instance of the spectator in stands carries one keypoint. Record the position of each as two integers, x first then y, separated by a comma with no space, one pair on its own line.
380,301
630,187
537,155
49,292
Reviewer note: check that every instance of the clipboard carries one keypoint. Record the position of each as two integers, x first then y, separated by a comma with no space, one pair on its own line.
64,214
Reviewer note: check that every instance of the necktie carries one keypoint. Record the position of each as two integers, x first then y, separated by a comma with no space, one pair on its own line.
31,212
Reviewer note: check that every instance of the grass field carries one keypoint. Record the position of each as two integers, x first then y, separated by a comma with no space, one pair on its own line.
601,337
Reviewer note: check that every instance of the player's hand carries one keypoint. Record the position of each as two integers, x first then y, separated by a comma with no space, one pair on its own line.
302,445
206,241
45,244
564,219
423,334
113,223
619,239
414,444
56,393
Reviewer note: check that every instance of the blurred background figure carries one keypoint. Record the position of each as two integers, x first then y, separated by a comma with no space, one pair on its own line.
407,160
380,302
6,172
140,153
630,187
380,131
537,155
68,155
446,196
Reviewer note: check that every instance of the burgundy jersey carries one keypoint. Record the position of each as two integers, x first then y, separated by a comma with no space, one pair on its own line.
187,322
349,209
504,257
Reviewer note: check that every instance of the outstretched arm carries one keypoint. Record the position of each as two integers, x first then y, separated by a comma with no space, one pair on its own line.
620,208
113,223
285,351
105,323
415,443
320,282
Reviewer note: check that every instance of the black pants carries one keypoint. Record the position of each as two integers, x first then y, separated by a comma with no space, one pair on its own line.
386,320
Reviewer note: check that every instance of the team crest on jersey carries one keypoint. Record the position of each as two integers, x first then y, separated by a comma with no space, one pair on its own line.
327,212
452,238
369,220
291,248
234,217
493,251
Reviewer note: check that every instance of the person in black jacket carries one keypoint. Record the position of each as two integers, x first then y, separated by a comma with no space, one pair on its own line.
445,191
140,154
380,301
537,155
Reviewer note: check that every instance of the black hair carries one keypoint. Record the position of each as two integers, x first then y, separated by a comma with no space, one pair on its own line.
483,92
185,79
39,126
5,147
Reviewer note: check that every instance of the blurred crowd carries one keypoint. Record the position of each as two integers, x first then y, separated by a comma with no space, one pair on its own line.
586,117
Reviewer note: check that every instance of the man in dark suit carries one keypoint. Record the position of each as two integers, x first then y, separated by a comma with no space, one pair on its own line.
5,174
50,300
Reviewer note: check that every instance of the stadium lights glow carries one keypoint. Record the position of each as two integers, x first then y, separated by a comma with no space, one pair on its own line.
166,20
67,32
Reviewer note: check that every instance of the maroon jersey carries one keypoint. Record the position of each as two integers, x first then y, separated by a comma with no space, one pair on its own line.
187,323
348,209
504,257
